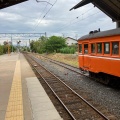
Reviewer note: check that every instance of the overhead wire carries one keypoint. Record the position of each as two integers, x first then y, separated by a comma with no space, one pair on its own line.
78,16
49,9
45,15
67,25
40,15
85,12
85,18
79,20
89,16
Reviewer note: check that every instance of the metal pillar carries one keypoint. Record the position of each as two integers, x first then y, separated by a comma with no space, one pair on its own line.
12,43
117,24
45,34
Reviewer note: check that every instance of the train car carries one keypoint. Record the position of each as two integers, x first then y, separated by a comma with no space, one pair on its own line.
99,53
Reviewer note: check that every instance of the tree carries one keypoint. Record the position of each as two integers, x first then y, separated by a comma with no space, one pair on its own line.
1,49
5,42
42,43
49,45
39,45
55,43
32,45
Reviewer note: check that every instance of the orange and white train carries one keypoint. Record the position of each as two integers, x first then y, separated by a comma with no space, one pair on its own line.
99,53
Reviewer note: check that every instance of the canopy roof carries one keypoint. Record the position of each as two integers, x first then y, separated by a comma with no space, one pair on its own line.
7,3
109,7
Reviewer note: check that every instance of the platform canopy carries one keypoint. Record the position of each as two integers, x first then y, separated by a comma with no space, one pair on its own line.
7,3
109,7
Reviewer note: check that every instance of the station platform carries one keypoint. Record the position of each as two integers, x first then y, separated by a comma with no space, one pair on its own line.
22,97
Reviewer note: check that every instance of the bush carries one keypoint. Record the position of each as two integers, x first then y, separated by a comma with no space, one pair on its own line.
54,44
1,50
68,50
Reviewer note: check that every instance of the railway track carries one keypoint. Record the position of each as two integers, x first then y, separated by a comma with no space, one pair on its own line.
84,73
67,66
77,107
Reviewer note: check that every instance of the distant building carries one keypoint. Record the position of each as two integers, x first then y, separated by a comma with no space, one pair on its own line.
70,41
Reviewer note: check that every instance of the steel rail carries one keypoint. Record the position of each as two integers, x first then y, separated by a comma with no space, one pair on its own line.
56,96
101,114
59,62
82,73
54,61
53,91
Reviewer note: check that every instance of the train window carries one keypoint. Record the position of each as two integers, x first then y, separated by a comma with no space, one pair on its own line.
85,48
115,48
93,48
107,48
80,48
99,47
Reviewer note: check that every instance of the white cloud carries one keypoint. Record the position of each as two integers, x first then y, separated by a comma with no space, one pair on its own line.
29,17
9,16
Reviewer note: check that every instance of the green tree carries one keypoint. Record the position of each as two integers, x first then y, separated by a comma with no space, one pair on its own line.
1,49
55,43
32,46
42,44
38,45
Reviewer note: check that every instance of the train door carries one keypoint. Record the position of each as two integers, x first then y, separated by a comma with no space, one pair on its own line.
86,56
80,57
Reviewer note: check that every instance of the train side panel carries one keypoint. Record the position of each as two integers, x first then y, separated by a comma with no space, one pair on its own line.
100,63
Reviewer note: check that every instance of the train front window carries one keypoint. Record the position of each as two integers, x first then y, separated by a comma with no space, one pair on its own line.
93,48
85,48
107,48
99,47
80,48
115,48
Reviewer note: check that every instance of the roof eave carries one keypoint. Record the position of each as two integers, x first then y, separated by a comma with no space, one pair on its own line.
8,4
82,3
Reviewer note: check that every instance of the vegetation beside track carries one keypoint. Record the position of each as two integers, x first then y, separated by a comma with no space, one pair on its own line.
5,48
53,44
71,59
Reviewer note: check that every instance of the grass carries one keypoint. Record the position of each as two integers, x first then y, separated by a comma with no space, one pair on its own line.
71,59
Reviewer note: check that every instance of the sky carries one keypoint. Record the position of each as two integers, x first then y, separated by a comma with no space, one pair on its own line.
53,18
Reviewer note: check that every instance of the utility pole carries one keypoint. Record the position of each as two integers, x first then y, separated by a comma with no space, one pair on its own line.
12,43
45,34
8,46
18,44
29,45
26,45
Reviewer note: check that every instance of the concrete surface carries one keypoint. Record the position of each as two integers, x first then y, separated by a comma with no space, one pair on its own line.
42,107
36,103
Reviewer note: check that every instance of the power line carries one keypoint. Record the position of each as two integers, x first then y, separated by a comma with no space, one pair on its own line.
40,16
49,9
89,16
79,20
77,17
86,11
45,15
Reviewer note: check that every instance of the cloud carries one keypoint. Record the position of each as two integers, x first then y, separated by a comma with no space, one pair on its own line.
31,16
9,16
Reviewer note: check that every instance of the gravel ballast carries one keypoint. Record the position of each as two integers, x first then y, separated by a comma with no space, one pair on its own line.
102,94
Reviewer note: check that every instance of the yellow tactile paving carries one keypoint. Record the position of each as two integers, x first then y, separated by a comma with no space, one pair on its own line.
15,104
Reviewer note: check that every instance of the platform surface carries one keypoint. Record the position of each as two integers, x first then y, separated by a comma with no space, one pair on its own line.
22,97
